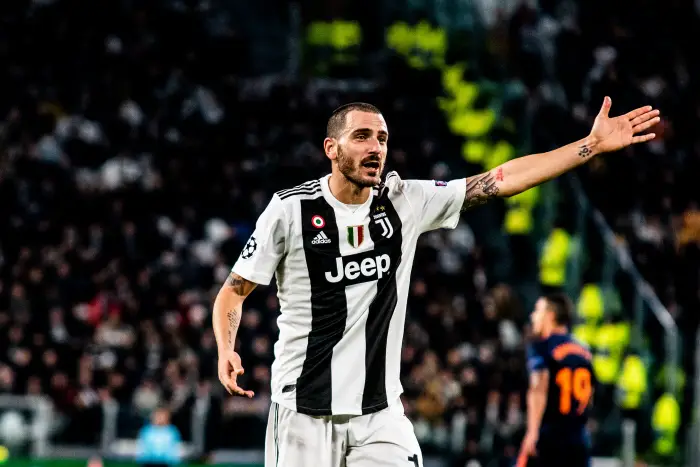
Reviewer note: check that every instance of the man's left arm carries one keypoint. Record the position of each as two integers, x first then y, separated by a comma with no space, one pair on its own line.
521,174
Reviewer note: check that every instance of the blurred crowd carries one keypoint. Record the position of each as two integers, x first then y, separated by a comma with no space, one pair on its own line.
135,162
648,192
136,156
572,54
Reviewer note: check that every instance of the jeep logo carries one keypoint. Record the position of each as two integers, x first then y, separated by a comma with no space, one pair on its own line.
371,268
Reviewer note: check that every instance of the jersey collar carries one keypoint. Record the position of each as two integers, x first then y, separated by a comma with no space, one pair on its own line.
333,201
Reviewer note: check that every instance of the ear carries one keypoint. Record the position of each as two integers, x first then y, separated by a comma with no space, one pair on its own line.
330,146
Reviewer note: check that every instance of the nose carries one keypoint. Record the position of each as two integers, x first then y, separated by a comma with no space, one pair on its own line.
374,146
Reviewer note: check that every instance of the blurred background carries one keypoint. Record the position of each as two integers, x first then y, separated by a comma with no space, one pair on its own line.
139,141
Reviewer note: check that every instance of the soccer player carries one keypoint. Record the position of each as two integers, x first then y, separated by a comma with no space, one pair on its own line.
341,249
561,389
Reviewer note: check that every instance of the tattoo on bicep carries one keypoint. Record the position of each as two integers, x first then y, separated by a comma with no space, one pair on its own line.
584,151
237,283
480,189
234,320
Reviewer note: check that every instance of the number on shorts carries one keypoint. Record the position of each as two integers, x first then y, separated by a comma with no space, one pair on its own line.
576,385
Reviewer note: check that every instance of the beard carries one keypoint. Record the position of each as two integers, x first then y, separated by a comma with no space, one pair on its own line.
352,171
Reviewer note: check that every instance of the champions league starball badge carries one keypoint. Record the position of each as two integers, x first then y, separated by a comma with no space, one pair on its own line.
249,248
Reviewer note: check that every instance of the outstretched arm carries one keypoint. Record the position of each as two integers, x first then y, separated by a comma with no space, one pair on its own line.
521,174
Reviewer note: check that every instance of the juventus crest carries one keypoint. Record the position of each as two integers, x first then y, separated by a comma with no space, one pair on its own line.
383,221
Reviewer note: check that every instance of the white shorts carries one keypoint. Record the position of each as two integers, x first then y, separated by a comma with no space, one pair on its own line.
381,439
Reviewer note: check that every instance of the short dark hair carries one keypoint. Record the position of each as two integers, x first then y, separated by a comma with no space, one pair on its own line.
562,307
336,123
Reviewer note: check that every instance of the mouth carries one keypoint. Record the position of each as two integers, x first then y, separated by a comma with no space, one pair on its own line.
374,165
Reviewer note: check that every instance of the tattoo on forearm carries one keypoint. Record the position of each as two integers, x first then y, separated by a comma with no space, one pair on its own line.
234,320
584,151
241,287
480,189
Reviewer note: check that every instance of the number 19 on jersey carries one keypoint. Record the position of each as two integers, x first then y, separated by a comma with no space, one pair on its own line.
574,387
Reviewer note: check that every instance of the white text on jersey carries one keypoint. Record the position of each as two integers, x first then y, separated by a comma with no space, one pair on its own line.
371,268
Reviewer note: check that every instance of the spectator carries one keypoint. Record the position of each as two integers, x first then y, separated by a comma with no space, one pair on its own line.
159,442
147,397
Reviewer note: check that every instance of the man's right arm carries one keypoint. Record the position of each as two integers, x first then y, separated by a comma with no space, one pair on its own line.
228,308
256,265
537,400
226,318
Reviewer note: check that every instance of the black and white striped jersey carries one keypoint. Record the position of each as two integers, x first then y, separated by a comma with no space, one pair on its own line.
343,275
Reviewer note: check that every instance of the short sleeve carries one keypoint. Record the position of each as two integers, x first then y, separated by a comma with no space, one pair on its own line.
265,247
535,359
438,204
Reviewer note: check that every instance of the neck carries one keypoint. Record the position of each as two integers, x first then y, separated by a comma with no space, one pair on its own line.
556,330
346,191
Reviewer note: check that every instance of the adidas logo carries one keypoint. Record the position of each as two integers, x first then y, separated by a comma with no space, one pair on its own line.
321,238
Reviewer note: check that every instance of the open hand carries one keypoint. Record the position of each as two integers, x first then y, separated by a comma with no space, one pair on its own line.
611,134
229,368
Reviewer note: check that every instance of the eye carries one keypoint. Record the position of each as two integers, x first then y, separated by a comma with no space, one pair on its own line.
361,137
